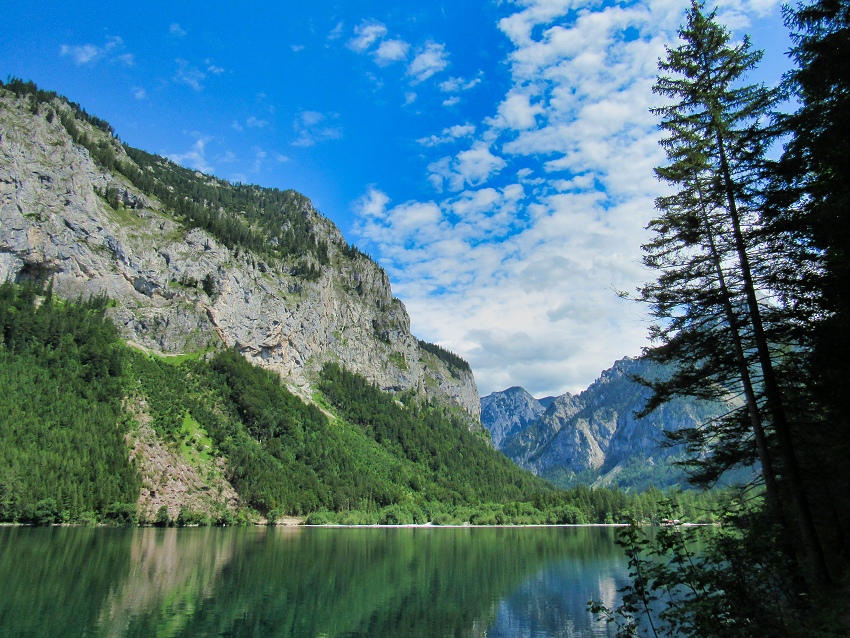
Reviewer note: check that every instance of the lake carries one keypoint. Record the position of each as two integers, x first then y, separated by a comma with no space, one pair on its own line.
296,581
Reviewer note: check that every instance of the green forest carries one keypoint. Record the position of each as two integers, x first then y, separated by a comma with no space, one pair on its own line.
67,382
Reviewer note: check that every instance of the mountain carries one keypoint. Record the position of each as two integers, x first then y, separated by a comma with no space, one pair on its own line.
507,413
594,436
192,262
176,347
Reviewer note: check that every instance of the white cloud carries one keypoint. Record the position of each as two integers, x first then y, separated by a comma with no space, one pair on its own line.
336,32
213,68
473,167
373,204
451,101
409,98
456,85
429,60
297,48
189,75
366,34
516,112
254,122
195,157
82,54
89,53
139,93
259,158
390,51
176,30
449,134
312,127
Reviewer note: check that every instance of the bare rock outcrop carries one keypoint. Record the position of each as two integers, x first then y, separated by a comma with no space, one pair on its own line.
177,289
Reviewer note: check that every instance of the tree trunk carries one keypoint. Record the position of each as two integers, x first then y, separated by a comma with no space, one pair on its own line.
791,472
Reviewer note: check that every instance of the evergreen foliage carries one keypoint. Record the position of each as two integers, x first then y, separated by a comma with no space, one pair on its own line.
456,364
267,221
62,426
455,465
752,297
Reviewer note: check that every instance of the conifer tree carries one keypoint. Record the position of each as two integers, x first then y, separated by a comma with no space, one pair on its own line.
810,209
713,260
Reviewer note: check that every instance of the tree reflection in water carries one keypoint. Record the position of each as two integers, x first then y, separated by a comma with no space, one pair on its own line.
306,581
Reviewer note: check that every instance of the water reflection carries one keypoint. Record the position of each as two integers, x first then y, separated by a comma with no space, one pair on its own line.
306,582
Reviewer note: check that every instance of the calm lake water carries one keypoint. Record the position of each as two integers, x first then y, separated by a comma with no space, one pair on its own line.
312,582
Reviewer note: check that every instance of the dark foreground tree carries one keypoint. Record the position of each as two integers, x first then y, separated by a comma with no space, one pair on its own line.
810,207
721,321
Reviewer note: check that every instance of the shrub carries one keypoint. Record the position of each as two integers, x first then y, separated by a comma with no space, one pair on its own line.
319,518
162,519
121,514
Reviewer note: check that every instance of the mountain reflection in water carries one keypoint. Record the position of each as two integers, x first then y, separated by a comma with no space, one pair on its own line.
353,582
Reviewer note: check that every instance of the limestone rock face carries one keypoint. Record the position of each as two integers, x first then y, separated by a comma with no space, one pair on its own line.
179,290
595,433
509,412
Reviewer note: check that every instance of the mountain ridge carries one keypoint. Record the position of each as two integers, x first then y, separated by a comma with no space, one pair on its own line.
185,274
595,436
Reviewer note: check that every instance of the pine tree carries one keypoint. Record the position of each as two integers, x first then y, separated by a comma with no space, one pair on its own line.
714,262
810,209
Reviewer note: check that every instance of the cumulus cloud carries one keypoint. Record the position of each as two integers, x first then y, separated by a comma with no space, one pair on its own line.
456,85
336,32
84,54
189,75
540,218
449,134
312,127
196,156
373,204
366,34
213,68
429,60
259,158
390,51
516,112
473,166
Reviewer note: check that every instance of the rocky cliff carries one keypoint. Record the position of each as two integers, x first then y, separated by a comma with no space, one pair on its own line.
508,413
77,210
595,435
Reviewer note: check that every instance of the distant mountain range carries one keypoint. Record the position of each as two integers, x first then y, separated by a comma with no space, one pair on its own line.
594,437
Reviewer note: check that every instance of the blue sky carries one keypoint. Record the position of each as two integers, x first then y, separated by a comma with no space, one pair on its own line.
494,156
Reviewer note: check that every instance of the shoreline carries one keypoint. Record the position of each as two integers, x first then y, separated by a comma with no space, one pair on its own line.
289,525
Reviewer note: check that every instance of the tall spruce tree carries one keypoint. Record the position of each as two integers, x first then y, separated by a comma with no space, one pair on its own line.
810,209
720,319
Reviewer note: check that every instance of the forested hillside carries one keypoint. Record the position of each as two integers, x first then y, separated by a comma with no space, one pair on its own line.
191,262
76,400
